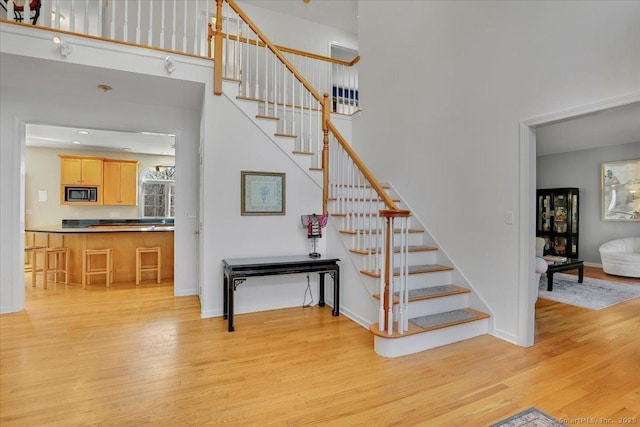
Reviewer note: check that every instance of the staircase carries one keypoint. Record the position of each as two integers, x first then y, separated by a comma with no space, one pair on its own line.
440,311
422,301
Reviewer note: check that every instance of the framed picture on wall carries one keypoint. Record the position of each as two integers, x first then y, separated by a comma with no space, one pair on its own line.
262,193
620,183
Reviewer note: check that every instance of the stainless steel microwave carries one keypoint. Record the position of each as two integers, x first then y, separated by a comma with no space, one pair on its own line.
81,194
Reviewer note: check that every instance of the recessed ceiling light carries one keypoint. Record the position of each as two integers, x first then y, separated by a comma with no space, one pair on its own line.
83,132
164,153
126,149
76,142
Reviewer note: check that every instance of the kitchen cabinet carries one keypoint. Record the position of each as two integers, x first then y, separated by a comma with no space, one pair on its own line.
557,220
80,171
120,183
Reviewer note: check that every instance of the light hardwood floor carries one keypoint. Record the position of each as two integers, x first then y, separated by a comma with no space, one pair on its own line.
138,356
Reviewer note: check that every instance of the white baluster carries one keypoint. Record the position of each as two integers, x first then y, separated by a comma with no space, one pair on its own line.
389,245
196,32
184,28
381,313
139,17
162,16
266,80
405,249
10,11
174,25
72,15
256,73
86,16
237,51
150,34
225,50
26,13
125,24
99,24
112,34
402,302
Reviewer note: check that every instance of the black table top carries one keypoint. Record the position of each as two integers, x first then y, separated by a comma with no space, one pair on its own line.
568,262
277,260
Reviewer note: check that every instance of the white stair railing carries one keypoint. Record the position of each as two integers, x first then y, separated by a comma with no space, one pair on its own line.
176,25
246,58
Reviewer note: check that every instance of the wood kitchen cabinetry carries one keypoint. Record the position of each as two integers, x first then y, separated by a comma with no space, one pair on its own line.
80,171
120,183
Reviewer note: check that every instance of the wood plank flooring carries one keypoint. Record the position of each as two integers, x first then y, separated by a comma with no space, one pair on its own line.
139,356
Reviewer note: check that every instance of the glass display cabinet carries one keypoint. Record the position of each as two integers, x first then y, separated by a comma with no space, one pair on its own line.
557,220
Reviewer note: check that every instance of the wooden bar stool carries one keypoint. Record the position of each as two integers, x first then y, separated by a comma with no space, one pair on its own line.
140,251
107,270
29,256
55,260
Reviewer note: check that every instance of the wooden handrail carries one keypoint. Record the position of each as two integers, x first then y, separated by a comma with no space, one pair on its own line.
246,40
273,49
365,171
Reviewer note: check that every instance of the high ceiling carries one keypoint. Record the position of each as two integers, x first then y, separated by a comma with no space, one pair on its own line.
612,127
341,14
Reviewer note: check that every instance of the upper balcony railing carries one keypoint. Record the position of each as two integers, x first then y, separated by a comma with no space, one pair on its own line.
183,26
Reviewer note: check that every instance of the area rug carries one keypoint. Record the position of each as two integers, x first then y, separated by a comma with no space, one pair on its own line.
532,417
593,294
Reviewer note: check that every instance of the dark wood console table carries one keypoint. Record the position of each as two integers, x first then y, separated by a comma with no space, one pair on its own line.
237,270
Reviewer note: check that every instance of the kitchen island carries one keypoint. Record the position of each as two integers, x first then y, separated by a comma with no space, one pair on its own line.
122,236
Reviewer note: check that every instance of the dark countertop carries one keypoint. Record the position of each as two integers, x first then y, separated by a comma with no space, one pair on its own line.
83,223
78,226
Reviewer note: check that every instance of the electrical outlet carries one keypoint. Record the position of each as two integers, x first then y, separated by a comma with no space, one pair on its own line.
508,218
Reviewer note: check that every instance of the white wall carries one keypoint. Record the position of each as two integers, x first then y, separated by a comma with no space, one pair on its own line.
445,102
296,33
234,144
582,169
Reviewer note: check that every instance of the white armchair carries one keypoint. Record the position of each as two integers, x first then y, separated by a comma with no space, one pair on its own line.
621,257
541,264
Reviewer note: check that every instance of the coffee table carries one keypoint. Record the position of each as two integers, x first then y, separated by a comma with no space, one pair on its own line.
569,264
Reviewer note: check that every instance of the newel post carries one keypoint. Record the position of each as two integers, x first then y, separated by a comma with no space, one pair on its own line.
325,152
390,216
217,51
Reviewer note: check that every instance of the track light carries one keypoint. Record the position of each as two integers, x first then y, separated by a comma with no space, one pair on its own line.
65,49
169,64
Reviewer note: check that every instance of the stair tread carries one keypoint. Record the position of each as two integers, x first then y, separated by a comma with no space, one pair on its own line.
366,215
262,116
412,248
383,185
413,269
285,135
430,293
410,230
362,199
433,322
306,153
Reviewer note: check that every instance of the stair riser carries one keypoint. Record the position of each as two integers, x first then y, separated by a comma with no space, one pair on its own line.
355,192
344,206
365,241
424,280
365,222
438,305
415,281
412,344
413,258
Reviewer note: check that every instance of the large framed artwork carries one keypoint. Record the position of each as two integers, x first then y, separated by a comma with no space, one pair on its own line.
620,190
262,193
